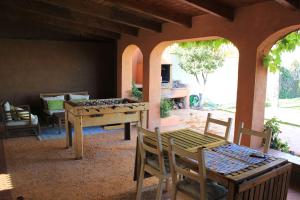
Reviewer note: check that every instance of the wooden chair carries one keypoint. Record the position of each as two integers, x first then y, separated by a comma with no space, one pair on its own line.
267,135
152,160
194,183
225,124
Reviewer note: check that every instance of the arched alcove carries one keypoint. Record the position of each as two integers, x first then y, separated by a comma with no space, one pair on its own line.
277,104
152,83
132,64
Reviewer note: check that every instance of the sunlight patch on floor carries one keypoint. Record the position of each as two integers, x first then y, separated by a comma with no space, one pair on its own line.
5,182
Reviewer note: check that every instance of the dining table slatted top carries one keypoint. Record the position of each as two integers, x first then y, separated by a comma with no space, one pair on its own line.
191,140
187,139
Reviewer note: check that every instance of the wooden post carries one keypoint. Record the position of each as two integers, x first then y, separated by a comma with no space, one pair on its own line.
79,137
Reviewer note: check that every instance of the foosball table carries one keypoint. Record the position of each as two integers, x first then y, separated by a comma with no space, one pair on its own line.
100,112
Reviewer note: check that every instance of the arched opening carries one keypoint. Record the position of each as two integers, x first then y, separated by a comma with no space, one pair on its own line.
168,81
132,71
283,93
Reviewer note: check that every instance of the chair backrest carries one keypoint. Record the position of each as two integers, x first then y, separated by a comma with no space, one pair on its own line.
226,124
150,143
267,135
22,113
185,170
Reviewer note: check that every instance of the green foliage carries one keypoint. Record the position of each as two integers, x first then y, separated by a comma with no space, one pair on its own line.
165,108
136,93
289,81
199,59
286,84
287,44
215,44
276,142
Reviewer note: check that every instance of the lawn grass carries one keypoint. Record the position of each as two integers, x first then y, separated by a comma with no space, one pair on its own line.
293,107
289,103
232,110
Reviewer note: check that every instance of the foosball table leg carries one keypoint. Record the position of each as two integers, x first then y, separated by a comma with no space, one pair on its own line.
78,135
69,133
127,131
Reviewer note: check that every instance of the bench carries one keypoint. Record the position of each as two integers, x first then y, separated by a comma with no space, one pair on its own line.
47,113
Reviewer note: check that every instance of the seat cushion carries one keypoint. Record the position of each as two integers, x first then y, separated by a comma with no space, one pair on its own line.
51,112
191,187
58,97
55,104
17,123
34,121
77,97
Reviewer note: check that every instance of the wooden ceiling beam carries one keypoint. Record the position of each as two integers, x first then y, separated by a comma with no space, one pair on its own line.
47,27
66,14
111,14
162,14
293,4
73,27
212,7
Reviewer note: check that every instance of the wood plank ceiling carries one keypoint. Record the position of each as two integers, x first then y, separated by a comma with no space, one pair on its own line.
99,19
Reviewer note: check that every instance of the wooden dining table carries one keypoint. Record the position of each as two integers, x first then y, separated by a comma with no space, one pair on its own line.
228,164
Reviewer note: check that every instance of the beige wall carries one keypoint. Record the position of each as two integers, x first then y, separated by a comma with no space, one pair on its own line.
137,67
31,67
254,29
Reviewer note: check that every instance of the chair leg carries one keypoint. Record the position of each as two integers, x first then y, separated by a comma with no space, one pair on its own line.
167,184
173,192
173,189
160,189
140,182
38,128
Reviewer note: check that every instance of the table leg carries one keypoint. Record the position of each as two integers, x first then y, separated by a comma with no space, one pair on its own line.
137,162
59,124
79,137
69,133
127,131
68,127
231,191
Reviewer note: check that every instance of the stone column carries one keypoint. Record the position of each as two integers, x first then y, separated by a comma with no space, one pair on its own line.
152,89
251,93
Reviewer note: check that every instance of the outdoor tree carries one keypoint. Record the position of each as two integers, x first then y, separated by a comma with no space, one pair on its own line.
200,59
273,62
287,44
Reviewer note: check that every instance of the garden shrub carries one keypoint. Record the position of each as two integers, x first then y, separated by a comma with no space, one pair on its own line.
165,108
276,142
136,93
